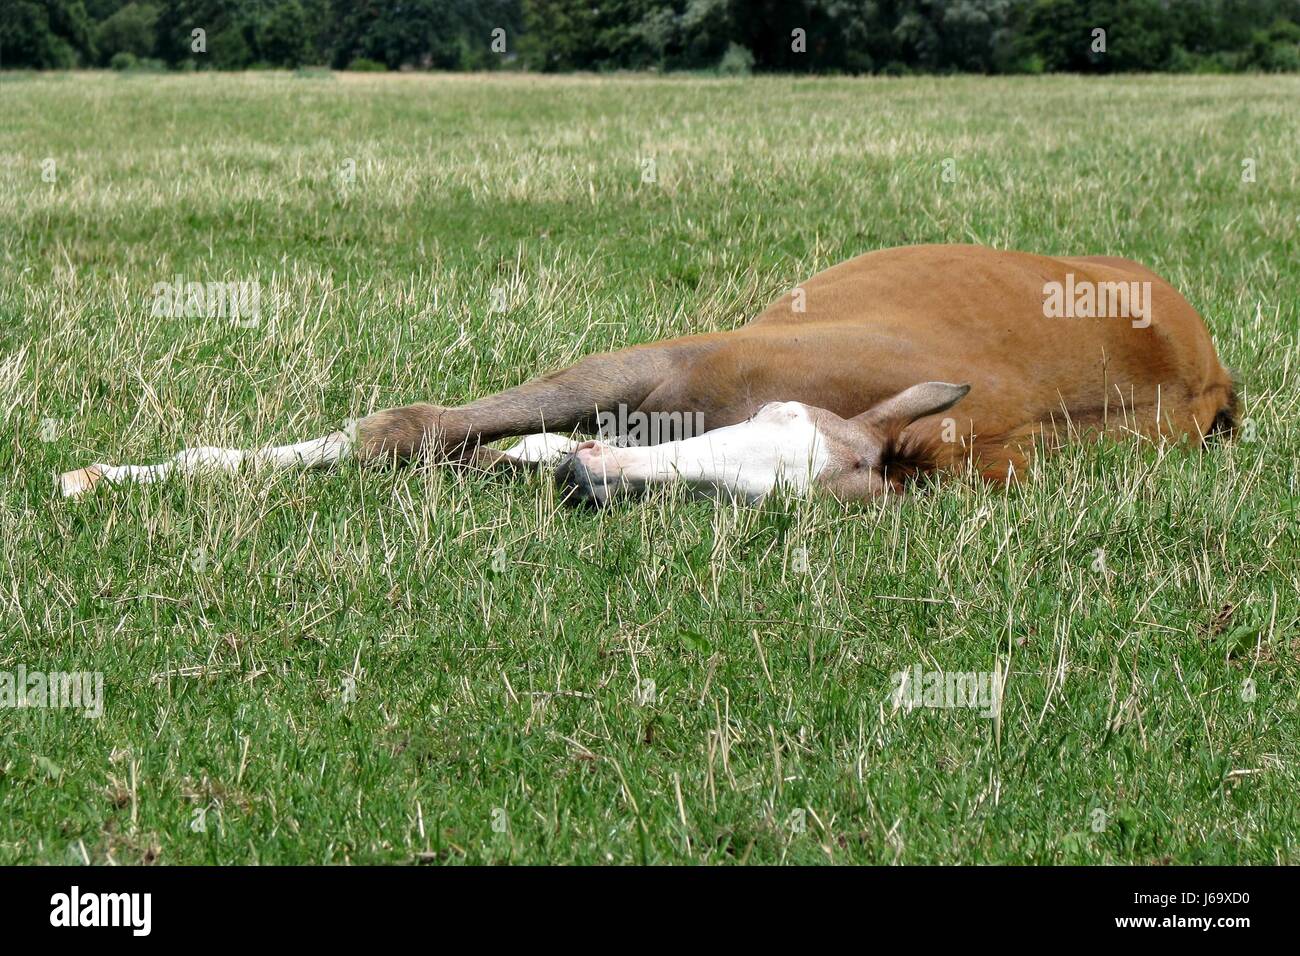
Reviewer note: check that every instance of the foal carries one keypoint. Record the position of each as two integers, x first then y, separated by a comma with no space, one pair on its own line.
835,387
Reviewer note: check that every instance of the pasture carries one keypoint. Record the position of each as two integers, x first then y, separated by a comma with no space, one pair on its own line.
440,666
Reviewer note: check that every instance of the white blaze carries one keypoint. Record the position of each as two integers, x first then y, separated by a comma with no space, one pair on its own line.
779,445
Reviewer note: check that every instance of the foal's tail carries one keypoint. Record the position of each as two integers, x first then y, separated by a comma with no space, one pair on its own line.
1228,418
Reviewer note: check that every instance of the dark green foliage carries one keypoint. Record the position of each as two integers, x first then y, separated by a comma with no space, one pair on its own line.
792,36
282,37
438,34
129,30
45,34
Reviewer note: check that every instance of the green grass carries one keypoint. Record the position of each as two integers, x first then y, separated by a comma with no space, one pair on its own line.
229,616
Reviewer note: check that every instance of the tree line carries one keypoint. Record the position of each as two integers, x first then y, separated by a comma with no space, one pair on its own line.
726,36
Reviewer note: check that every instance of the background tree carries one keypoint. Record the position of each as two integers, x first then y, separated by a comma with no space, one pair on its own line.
129,30
45,34
835,36
282,37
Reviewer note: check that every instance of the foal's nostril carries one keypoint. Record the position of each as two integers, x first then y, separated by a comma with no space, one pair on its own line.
564,471
578,485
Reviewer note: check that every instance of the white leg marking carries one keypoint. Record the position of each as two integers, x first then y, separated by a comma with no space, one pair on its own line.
544,447
780,445
317,453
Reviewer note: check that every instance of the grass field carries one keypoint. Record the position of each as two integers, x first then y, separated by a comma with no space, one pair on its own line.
436,666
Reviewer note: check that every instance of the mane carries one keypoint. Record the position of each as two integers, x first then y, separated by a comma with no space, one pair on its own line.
916,457
908,457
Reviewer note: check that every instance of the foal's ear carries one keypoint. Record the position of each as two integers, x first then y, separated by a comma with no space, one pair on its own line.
928,398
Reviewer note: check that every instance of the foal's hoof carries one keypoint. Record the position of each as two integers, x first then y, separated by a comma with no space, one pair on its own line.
579,485
74,484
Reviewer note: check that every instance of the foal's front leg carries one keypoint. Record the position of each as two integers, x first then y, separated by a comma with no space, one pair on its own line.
554,403
533,453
